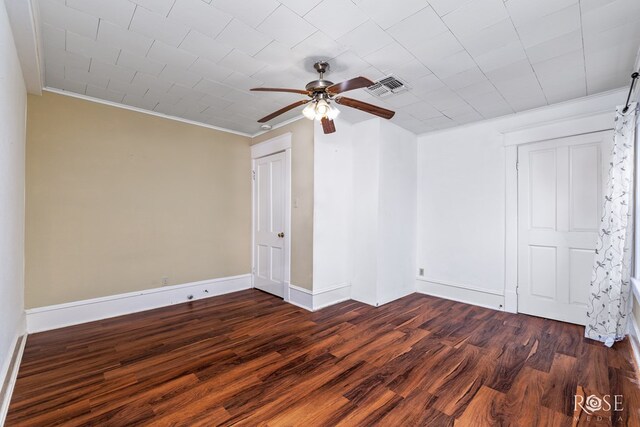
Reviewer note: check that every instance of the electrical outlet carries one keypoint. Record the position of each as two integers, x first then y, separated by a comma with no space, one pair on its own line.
165,281
421,272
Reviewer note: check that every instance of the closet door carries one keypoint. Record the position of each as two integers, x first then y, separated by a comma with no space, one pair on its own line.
269,210
560,187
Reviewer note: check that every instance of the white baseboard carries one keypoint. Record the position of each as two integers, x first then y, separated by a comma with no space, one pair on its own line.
300,297
318,299
634,338
632,324
73,313
511,301
398,294
468,295
325,297
287,294
8,381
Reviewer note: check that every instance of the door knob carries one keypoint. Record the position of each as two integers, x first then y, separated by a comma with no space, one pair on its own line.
281,235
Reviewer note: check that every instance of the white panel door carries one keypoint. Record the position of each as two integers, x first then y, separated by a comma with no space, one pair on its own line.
269,224
560,185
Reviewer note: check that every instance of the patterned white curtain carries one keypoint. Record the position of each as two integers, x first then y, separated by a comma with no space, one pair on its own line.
609,297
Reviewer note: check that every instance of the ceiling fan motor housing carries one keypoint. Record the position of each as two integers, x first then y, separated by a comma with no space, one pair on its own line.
321,84
318,85
321,67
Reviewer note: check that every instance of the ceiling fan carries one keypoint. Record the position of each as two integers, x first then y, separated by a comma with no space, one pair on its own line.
321,94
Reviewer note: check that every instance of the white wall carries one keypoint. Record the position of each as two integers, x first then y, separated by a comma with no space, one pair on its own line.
364,211
332,184
12,149
461,204
397,212
365,202
461,200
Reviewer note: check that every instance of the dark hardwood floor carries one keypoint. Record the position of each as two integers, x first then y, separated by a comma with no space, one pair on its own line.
250,359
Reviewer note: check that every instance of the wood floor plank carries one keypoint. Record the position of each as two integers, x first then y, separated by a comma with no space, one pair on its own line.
486,409
248,358
561,385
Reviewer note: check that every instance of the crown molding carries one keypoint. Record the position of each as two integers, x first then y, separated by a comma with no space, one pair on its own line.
534,110
279,125
166,116
24,22
142,110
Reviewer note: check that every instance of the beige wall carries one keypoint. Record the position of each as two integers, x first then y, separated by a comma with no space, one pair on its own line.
302,197
117,200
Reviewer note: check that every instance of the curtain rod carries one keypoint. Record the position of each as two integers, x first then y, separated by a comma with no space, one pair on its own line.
634,77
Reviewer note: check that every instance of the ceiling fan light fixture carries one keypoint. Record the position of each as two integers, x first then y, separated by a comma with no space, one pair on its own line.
322,109
333,113
310,111
317,110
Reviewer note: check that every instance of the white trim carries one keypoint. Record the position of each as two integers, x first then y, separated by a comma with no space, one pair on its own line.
635,287
577,125
318,299
73,313
613,92
278,144
396,296
142,110
272,146
632,325
460,285
12,375
634,337
511,234
301,297
511,301
24,20
325,297
279,125
461,293
166,116
287,293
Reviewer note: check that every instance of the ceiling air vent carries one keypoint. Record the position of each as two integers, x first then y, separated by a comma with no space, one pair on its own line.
387,86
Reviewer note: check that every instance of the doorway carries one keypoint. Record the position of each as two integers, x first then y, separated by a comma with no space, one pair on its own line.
271,174
560,187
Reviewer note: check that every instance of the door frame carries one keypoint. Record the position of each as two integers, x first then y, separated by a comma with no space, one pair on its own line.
577,125
278,144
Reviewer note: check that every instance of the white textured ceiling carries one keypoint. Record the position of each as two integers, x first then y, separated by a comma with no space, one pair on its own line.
464,60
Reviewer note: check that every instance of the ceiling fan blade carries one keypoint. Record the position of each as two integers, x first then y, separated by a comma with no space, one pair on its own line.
277,89
367,108
351,84
328,126
283,110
